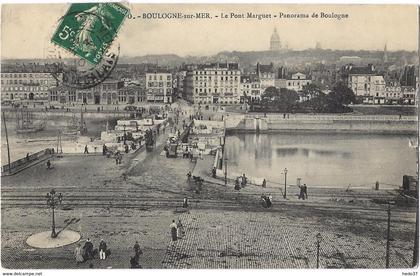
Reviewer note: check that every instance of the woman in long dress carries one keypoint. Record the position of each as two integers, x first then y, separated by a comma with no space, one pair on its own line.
79,254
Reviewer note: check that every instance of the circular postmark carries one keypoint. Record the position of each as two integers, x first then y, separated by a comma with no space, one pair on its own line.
94,51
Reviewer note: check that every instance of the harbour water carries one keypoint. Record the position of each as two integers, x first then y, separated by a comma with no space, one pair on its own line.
323,160
21,144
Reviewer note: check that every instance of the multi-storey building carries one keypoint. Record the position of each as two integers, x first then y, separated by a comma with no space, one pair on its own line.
159,86
297,82
250,88
131,94
364,81
266,74
216,83
409,94
27,83
392,94
180,80
62,94
106,92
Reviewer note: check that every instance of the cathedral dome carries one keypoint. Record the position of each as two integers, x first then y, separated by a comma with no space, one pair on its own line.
275,44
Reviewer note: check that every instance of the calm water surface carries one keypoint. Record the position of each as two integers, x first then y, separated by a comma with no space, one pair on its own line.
328,160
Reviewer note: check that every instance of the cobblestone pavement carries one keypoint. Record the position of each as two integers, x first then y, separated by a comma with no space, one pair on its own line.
224,228
254,240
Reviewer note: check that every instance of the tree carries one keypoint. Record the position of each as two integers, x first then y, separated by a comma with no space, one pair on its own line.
342,95
271,92
312,90
287,99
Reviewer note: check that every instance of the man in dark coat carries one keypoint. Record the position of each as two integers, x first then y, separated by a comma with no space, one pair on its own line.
137,250
88,250
305,192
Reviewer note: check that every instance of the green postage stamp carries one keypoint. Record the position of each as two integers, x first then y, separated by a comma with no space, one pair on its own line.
87,29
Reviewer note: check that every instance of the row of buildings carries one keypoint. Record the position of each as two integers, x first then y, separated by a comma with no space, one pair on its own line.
372,87
207,84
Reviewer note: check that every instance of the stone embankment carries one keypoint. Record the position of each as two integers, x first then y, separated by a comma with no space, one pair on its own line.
383,124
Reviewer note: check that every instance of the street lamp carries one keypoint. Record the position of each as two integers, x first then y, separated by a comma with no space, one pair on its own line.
285,181
318,241
53,200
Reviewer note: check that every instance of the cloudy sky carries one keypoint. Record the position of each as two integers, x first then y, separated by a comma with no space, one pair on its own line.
27,29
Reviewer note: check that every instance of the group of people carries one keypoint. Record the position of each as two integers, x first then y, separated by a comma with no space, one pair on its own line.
240,182
267,201
87,252
177,230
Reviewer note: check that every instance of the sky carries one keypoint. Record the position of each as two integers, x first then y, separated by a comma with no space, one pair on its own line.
26,29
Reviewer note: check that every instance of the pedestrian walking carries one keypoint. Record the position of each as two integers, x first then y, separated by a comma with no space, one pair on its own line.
244,180
300,192
237,186
78,254
305,191
48,164
213,172
102,250
185,203
173,230
88,250
86,150
264,183
137,249
179,229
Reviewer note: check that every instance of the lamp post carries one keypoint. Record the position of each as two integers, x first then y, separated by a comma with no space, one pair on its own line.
53,200
285,181
318,241
387,236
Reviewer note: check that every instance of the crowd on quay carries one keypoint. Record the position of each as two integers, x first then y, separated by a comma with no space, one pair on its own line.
87,252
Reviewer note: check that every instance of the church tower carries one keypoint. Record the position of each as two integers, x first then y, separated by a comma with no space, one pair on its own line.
385,60
275,44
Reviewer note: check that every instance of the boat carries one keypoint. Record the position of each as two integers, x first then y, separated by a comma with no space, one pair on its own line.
27,123
73,126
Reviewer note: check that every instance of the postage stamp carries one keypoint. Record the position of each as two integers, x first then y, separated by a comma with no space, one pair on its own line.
88,29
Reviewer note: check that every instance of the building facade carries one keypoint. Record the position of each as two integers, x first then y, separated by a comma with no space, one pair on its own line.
25,83
251,88
409,95
266,74
159,86
297,82
217,83
62,95
105,93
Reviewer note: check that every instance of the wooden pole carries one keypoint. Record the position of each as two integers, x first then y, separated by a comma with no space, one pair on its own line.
387,237
7,142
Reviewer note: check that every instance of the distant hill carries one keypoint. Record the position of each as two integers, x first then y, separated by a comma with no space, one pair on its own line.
250,58
290,57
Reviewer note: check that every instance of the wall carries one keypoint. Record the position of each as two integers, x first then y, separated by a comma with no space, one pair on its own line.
369,124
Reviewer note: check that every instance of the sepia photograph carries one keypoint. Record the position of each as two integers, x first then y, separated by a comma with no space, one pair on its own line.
209,136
